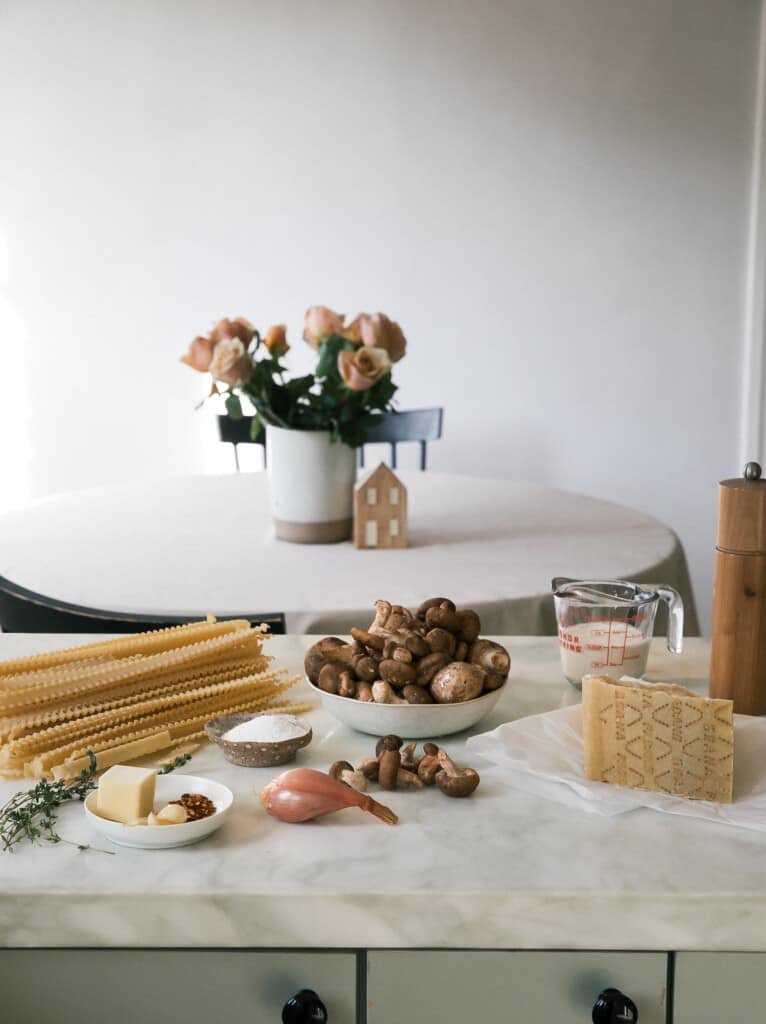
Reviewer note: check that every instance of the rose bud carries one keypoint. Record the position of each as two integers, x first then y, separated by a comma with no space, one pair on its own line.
320,322
361,368
275,340
230,363
378,331
199,355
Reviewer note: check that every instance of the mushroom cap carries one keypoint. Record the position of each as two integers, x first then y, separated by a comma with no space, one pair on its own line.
457,682
462,784
331,649
491,656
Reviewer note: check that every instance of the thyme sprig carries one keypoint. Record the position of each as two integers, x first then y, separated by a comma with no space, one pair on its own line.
31,814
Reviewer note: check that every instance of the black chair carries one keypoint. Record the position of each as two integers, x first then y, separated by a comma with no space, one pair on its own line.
24,611
237,432
421,425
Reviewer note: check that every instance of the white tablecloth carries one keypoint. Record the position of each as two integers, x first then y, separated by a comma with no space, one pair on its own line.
189,545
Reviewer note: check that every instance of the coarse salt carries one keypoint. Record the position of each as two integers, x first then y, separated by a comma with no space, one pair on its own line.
267,729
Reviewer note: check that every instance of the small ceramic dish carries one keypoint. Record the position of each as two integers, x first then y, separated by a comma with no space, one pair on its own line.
159,837
251,754
410,721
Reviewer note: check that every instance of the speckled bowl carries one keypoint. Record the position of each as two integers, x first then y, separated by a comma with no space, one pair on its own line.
253,755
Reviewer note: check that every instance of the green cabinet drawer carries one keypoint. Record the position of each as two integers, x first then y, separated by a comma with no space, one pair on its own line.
450,987
716,988
125,986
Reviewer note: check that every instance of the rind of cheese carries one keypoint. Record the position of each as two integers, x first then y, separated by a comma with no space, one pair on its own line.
658,736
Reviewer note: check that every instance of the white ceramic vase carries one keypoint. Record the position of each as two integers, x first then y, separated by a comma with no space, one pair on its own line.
311,485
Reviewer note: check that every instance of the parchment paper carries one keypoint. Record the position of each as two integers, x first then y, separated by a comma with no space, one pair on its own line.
543,755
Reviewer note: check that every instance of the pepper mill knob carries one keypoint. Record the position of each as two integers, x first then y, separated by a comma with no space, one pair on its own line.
752,471
304,1008
612,1007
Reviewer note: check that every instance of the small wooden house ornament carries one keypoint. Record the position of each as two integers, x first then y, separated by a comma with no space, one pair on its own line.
380,510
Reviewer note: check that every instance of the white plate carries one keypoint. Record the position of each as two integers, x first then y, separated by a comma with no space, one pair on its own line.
161,837
411,722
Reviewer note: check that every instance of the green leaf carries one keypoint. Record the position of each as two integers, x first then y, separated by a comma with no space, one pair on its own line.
233,406
256,427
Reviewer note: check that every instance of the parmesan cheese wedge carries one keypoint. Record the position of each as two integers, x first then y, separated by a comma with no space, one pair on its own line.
658,736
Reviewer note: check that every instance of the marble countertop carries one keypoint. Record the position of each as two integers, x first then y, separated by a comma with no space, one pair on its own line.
500,870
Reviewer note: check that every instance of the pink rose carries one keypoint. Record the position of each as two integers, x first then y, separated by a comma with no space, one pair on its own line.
275,340
353,331
227,329
361,368
378,331
320,322
230,363
199,355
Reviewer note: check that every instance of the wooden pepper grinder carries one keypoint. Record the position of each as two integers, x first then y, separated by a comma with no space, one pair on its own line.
738,639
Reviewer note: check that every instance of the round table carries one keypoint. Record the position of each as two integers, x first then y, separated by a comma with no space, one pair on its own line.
192,545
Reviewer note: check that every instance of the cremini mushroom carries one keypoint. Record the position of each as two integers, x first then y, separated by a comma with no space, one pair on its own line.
329,678
455,781
461,651
470,625
389,761
433,602
429,764
428,667
397,673
439,639
366,668
402,654
346,685
491,656
389,742
443,616
457,682
410,759
415,694
407,778
367,639
364,692
369,768
384,693
342,771
331,649
416,644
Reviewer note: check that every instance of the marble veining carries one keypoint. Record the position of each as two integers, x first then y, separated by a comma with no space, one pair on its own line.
500,870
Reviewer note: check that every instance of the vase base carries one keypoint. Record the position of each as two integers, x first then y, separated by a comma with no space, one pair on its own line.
313,533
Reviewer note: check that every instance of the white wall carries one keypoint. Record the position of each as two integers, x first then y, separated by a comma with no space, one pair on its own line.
550,196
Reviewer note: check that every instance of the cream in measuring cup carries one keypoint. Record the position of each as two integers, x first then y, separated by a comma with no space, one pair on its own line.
605,626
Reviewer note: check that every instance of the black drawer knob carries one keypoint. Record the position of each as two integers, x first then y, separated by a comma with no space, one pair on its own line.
612,1007
304,1008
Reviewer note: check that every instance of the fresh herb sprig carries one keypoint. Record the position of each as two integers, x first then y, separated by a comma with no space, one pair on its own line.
31,814
171,766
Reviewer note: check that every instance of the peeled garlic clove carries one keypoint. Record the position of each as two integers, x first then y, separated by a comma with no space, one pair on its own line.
153,819
172,814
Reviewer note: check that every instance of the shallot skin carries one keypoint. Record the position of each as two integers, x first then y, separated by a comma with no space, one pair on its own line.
303,793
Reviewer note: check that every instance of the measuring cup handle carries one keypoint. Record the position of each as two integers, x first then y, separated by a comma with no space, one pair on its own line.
675,617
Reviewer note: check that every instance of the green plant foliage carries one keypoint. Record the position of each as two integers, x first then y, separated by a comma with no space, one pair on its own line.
316,401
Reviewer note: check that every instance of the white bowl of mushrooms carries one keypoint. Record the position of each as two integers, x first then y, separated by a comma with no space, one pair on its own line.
416,675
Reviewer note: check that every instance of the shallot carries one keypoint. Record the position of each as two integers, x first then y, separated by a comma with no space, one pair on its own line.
303,793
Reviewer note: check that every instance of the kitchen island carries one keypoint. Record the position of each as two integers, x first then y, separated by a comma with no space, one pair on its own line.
500,871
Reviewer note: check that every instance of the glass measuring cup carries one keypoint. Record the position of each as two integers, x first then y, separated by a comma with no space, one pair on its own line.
605,626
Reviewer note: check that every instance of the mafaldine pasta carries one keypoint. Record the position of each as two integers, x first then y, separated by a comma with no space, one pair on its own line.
658,736
129,698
